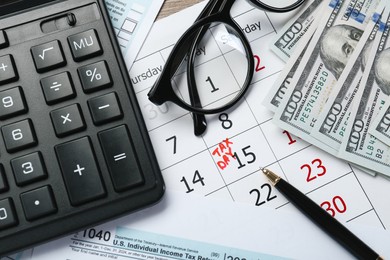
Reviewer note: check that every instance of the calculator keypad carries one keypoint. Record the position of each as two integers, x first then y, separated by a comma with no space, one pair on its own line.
38,203
74,150
67,120
58,88
3,39
3,180
19,135
80,171
118,152
7,214
8,72
12,103
95,77
48,56
28,168
85,45
105,108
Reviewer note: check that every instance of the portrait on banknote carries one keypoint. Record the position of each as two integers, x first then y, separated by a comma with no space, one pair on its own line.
382,71
337,45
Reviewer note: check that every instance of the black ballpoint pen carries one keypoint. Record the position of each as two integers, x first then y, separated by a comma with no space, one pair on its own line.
322,218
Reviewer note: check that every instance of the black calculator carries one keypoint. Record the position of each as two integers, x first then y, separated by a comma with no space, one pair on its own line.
74,149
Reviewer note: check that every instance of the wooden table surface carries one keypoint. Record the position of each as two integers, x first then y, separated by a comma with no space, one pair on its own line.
172,6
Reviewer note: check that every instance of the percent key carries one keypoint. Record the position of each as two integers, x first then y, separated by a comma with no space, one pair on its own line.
95,76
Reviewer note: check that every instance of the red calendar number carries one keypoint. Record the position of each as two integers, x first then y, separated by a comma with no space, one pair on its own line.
336,205
290,138
258,64
319,170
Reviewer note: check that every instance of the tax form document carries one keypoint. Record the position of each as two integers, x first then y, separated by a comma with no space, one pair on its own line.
132,20
194,228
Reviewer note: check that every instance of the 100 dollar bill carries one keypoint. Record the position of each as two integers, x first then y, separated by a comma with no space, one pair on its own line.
380,128
332,45
282,83
333,120
287,39
359,146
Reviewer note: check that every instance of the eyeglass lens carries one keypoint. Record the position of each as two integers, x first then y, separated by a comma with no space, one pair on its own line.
215,83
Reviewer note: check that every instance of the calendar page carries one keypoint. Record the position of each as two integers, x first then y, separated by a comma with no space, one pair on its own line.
224,162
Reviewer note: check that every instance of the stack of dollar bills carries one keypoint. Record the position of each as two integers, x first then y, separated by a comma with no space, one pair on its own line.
334,91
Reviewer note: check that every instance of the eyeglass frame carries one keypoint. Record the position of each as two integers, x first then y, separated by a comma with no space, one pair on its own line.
215,11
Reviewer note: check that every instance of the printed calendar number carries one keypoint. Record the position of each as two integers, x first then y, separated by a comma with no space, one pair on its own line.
320,170
154,111
226,122
213,88
197,178
337,205
250,157
173,140
264,189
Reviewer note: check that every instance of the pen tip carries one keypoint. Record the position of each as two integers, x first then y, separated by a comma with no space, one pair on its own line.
273,178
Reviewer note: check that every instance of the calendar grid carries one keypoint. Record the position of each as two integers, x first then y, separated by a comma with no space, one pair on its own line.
189,165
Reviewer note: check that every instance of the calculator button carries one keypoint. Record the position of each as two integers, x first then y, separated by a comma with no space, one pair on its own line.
8,72
67,120
38,203
57,88
118,151
28,168
85,45
3,40
3,180
80,171
7,214
95,76
48,56
105,108
12,103
19,135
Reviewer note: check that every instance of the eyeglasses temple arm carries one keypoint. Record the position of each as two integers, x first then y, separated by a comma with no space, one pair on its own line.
199,120
210,7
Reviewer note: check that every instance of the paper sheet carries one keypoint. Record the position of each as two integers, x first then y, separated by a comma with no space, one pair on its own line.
132,20
207,230
188,167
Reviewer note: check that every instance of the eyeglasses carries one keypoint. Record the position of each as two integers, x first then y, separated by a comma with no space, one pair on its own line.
188,84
